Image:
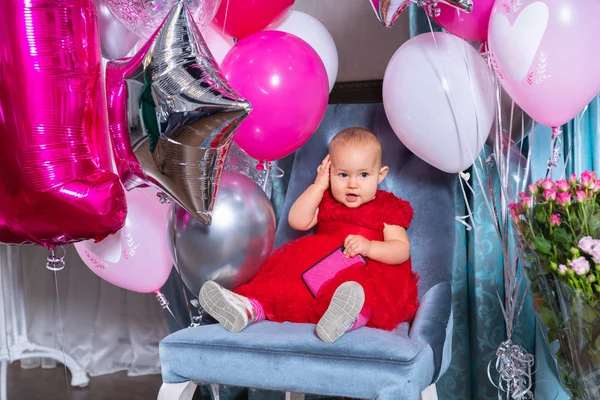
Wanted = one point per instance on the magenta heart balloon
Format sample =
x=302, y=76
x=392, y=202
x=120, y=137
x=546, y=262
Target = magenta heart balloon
x=544, y=52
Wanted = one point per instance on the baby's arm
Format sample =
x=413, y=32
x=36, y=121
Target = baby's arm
x=395, y=248
x=304, y=211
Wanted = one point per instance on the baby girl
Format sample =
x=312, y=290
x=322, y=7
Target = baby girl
x=348, y=210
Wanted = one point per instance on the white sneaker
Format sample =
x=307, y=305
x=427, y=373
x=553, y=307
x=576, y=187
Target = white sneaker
x=233, y=311
x=345, y=306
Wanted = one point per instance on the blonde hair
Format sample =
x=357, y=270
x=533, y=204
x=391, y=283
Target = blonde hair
x=357, y=135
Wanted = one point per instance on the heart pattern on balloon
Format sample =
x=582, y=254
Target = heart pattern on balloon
x=520, y=41
x=543, y=53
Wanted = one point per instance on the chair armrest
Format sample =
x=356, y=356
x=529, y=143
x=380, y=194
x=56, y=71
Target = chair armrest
x=433, y=325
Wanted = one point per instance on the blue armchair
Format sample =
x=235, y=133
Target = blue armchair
x=365, y=363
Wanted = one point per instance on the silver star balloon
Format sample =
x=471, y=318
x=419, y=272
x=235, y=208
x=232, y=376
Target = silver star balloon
x=172, y=115
x=388, y=11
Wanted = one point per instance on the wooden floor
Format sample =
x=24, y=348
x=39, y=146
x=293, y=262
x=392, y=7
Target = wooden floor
x=51, y=384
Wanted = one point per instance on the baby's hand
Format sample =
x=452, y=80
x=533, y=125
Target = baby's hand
x=322, y=180
x=356, y=244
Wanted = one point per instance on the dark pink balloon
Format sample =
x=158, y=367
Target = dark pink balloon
x=469, y=26
x=240, y=18
x=55, y=181
x=286, y=82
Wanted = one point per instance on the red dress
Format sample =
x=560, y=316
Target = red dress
x=390, y=290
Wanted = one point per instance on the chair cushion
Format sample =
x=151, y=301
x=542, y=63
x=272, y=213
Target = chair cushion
x=365, y=363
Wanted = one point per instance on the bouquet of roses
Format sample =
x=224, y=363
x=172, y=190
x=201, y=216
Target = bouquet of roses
x=558, y=225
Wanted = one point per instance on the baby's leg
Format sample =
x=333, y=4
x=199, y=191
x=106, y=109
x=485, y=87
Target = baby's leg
x=362, y=319
x=343, y=313
x=235, y=312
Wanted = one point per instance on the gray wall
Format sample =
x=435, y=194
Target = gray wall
x=364, y=45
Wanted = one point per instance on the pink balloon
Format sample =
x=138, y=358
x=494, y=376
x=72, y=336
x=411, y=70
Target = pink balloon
x=286, y=82
x=544, y=52
x=469, y=26
x=137, y=257
x=56, y=184
x=241, y=18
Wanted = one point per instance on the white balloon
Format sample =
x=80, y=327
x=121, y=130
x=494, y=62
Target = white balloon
x=218, y=43
x=313, y=32
x=438, y=95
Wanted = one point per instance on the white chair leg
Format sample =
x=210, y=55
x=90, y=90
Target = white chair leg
x=3, y=370
x=177, y=391
x=215, y=391
x=429, y=393
x=294, y=396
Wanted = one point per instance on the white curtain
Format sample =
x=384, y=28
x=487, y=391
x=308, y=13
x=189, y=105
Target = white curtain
x=105, y=328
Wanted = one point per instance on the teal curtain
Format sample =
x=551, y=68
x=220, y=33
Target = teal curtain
x=580, y=151
x=479, y=326
x=478, y=320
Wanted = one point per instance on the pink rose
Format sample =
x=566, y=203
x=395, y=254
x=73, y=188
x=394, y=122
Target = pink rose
x=562, y=269
x=588, y=174
x=562, y=185
x=580, y=265
x=533, y=189
x=564, y=198
x=586, y=244
x=516, y=209
x=581, y=195
x=555, y=219
x=527, y=202
x=545, y=183
x=573, y=179
x=588, y=178
x=550, y=194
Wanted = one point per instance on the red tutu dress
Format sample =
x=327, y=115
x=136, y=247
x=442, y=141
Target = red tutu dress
x=390, y=290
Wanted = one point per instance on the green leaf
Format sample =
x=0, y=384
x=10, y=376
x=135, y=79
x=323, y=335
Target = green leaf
x=543, y=245
x=597, y=342
x=552, y=335
x=548, y=318
x=589, y=314
x=541, y=217
x=595, y=360
x=563, y=237
x=595, y=225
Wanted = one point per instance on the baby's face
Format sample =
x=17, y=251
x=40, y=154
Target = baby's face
x=355, y=174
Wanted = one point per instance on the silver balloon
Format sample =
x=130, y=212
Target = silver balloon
x=463, y=5
x=116, y=40
x=234, y=247
x=172, y=115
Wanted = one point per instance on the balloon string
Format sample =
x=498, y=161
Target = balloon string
x=268, y=167
x=555, y=153
x=164, y=304
x=225, y=20
x=54, y=262
x=61, y=331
